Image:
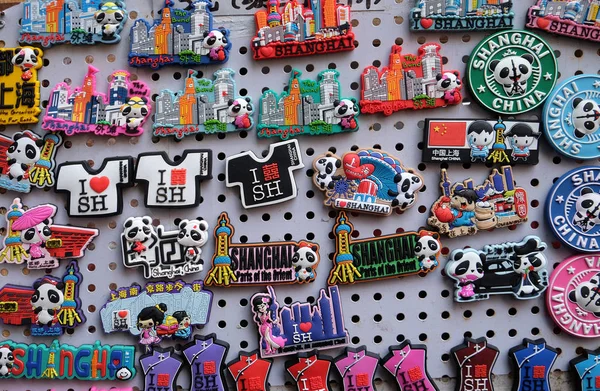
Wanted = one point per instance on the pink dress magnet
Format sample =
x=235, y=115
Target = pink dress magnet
x=357, y=368
x=408, y=364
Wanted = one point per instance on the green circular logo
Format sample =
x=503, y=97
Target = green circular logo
x=512, y=72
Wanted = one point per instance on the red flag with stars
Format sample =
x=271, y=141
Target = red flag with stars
x=447, y=134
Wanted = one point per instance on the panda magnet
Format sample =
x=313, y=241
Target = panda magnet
x=250, y=371
x=20, y=87
x=307, y=107
x=572, y=117
x=50, y=306
x=181, y=36
x=512, y=72
x=475, y=360
x=575, y=18
x=511, y=268
x=310, y=371
x=122, y=111
x=465, y=208
x=410, y=81
x=586, y=369
x=204, y=106
x=357, y=368
x=408, y=364
x=533, y=362
x=28, y=160
x=78, y=22
x=573, y=298
x=366, y=180
x=271, y=263
x=573, y=209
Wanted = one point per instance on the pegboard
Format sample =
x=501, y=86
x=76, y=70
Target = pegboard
x=376, y=314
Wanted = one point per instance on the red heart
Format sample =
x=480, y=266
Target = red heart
x=543, y=23
x=266, y=51
x=116, y=361
x=305, y=327
x=123, y=314
x=426, y=23
x=99, y=183
x=342, y=204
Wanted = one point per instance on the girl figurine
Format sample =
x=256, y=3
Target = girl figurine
x=265, y=309
x=184, y=328
x=147, y=321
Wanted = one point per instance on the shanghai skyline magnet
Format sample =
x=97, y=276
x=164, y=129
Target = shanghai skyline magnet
x=575, y=18
x=432, y=15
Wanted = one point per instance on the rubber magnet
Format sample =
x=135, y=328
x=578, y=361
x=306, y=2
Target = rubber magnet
x=20, y=92
x=576, y=19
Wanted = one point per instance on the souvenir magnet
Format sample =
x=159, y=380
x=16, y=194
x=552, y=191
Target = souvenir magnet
x=268, y=180
x=20, y=87
x=512, y=72
x=173, y=183
x=408, y=364
x=307, y=107
x=510, y=268
x=464, y=208
x=532, y=361
x=206, y=356
x=28, y=159
x=143, y=312
x=431, y=15
x=272, y=263
x=205, y=106
x=357, y=368
x=297, y=30
x=161, y=368
x=66, y=362
x=481, y=141
x=180, y=36
x=31, y=236
x=366, y=180
x=573, y=297
x=122, y=111
x=573, y=18
x=80, y=22
x=586, y=369
x=381, y=257
x=95, y=192
x=410, y=82
x=310, y=371
x=572, y=117
x=250, y=372
x=475, y=360
x=50, y=305
x=573, y=209
x=299, y=327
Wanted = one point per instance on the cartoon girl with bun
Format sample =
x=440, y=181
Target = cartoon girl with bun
x=265, y=309
x=184, y=328
x=147, y=321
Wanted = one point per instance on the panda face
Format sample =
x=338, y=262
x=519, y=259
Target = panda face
x=512, y=73
x=109, y=13
x=24, y=149
x=427, y=247
x=192, y=233
x=466, y=265
x=345, y=108
x=6, y=356
x=123, y=374
x=586, y=117
x=327, y=165
x=587, y=295
x=407, y=185
x=135, y=108
x=47, y=295
x=304, y=262
x=26, y=58
x=214, y=39
x=38, y=234
x=448, y=81
x=138, y=229
x=534, y=260
x=240, y=106
x=587, y=209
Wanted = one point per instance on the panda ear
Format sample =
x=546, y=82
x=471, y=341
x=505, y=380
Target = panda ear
x=248, y=99
x=353, y=100
x=11, y=348
x=205, y=34
x=586, y=190
x=128, y=223
x=177, y=221
x=456, y=73
x=438, y=77
x=47, y=221
x=435, y=235
x=482, y=257
x=223, y=31
x=146, y=220
x=336, y=103
x=528, y=57
x=494, y=64
x=457, y=256
x=576, y=102
x=296, y=248
x=572, y=296
x=17, y=136
x=39, y=142
x=60, y=285
x=36, y=52
x=230, y=102
x=37, y=284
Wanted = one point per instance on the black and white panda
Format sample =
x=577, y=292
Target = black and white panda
x=214, y=44
x=587, y=295
x=325, y=168
x=305, y=261
x=110, y=16
x=7, y=360
x=135, y=111
x=240, y=110
x=22, y=154
x=466, y=266
x=587, y=210
x=47, y=300
x=528, y=260
x=512, y=73
x=345, y=110
x=193, y=234
x=26, y=58
x=586, y=117
x=36, y=237
x=407, y=185
x=140, y=236
x=447, y=84
x=427, y=250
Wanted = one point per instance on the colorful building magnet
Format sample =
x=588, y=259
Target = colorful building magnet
x=299, y=327
x=250, y=371
x=66, y=362
x=366, y=180
x=410, y=82
x=268, y=180
x=204, y=106
x=28, y=160
x=161, y=368
x=307, y=107
x=297, y=30
x=357, y=368
x=586, y=369
x=50, y=305
x=310, y=371
x=573, y=209
x=464, y=208
x=20, y=87
x=81, y=22
x=475, y=360
x=381, y=257
x=272, y=263
x=206, y=356
x=95, y=192
x=431, y=15
x=143, y=312
x=408, y=364
x=574, y=18
x=180, y=36
x=173, y=183
x=573, y=298
x=123, y=111
x=572, y=117
x=512, y=72
x=532, y=361
x=481, y=141
x=511, y=268
x=32, y=237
